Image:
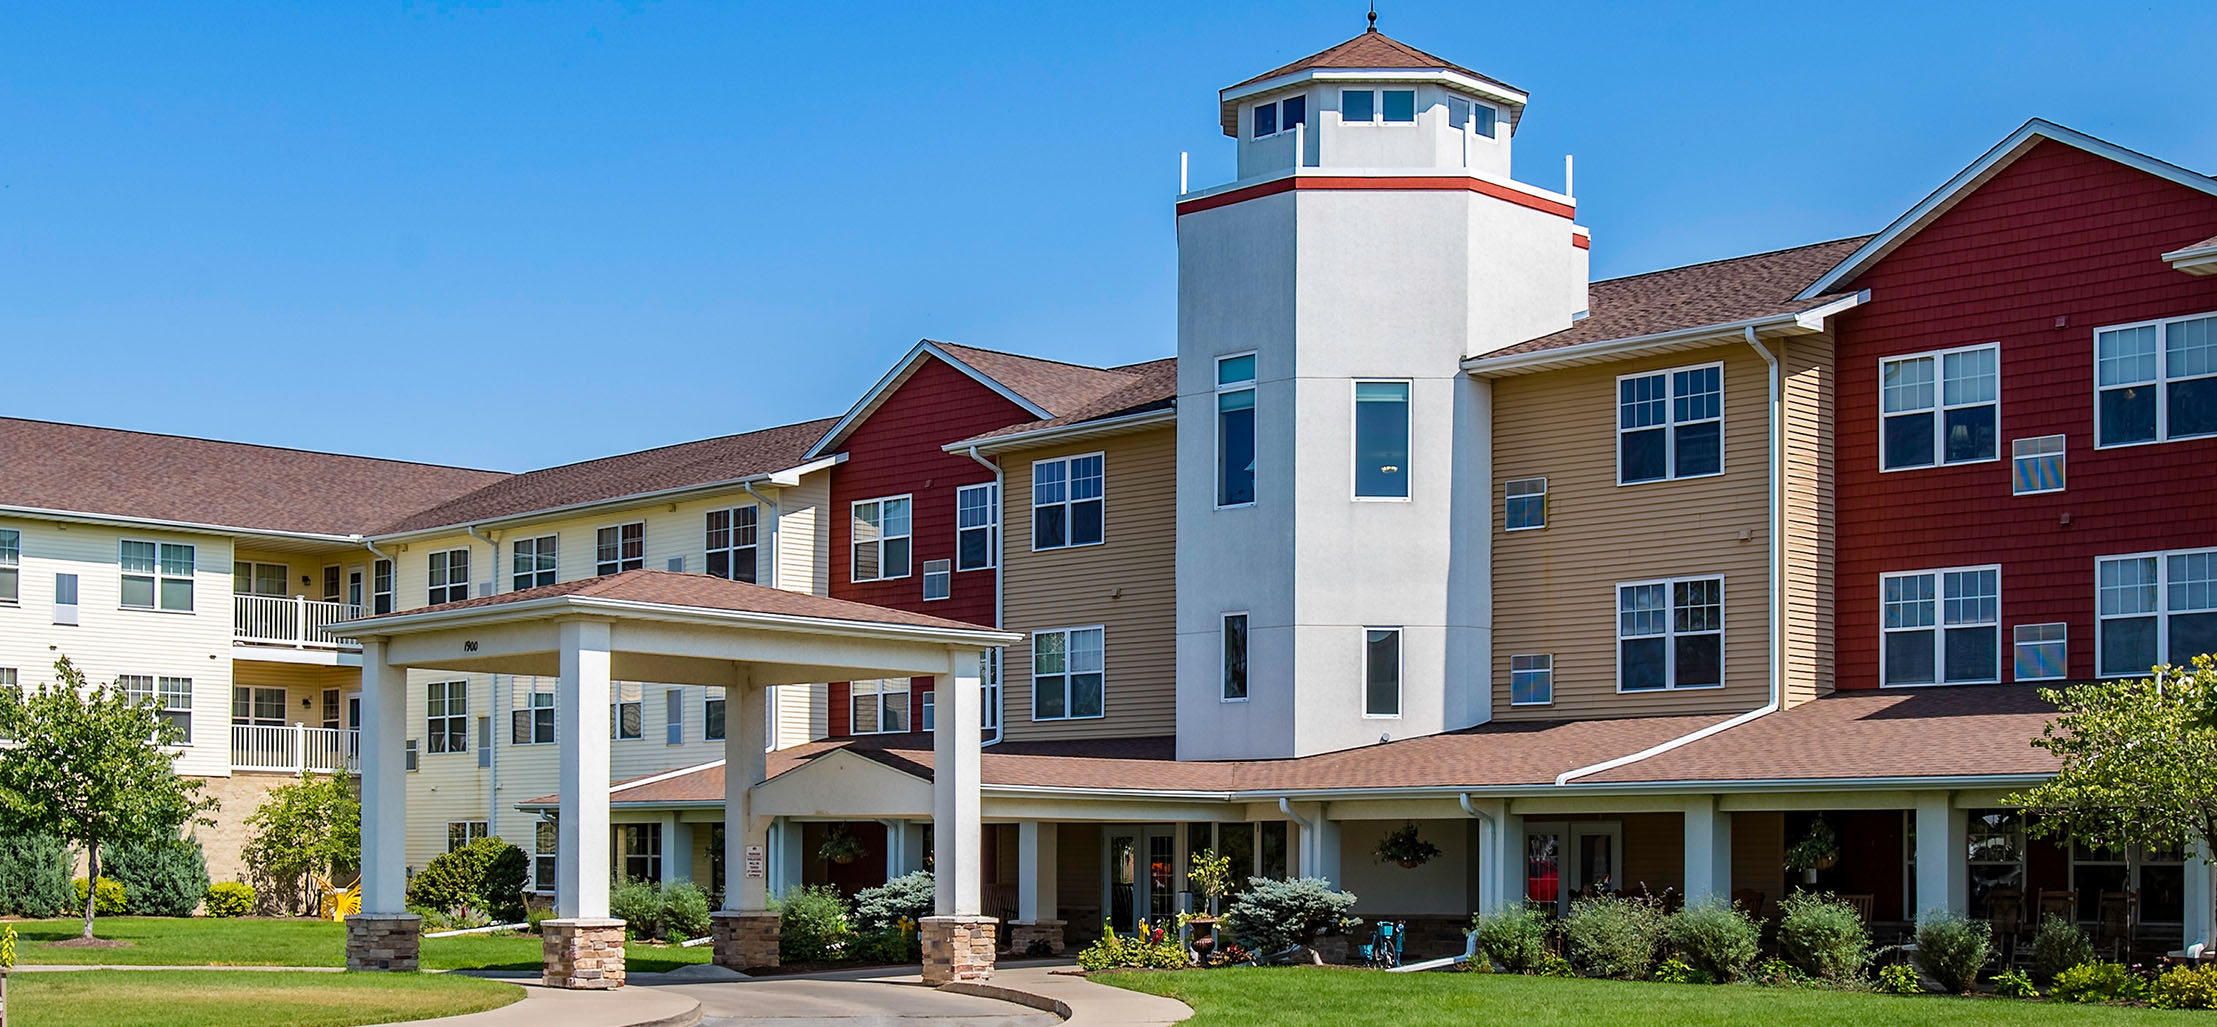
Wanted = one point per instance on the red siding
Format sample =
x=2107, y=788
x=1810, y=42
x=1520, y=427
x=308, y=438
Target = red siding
x=2058, y=244
x=895, y=451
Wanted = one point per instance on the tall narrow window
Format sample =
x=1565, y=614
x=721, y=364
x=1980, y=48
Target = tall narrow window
x=877, y=707
x=1235, y=430
x=732, y=543
x=619, y=548
x=545, y=836
x=1067, y=502
x=1670, y=634
x=534, y=562
x=447, y=719
x=626, y=709
x=2036, y=465
x=712, y=718
x=1942, y=627
x=938, y=575
x=1381, y=672
x=448, y=576
x=1381, y=440
x=1524, y=504
x=156, y=576
x=1067, y=681
x=9, y=683
x=11, y=564
x=881, y=539
x=2155, y=608
x=1235, y=657
x=2043, y=652
x=331, y=583
x=1670, y=424
x=381, y=587
x=1940, y=408
x=2155, y=382
x=1532, y=679
x=977, y=527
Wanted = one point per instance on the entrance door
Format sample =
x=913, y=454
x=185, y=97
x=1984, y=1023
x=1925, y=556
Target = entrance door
x=1596, y=859
x=354, y=587
x=1142, y=871
x=1566, y=862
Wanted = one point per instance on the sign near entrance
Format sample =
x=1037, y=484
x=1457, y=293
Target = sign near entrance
x=754, y=861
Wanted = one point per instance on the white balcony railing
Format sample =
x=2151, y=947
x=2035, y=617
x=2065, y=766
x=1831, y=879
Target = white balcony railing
x=295, y=621
x=298, y=749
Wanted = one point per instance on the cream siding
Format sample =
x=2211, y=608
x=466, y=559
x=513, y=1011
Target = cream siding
x=1810, y=534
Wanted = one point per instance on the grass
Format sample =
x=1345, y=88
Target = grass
x=246, y=941
x=1295, y=996
x=243, y=998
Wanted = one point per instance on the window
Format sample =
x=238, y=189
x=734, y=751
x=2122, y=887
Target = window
x=1670, y=634
x=977, y=527
x=1670, y=424
x=2042, y=651
x=257, y=579
x=1472, y=116
x=460, y=833
x=171, y=700
x=1532, y=679
x=732, y=551
x=9, y=683
x=330, y=709
x=638, y=851
x=626, y=715
x=1357, y=105
x=535, y=561
x=881, y=537
x=447, y=718
x=411, y=759
x=381, y=586
x=1381, y=440
x=156, y=576
x=2155, y=608
x=1067, y=681
x=449, y=577
x=1235, y=430
x=1996, y=855
x=11, y=564
x=2156, y=876
x=1269, y=119
x=259, y=707
x=877, y=707
x=1524, y=504
x=65, y=599
x=2155, y=382
x=1235, y=657
x=619, y=548
x=331, y=583
x=1367, y=105
x=1381, y=672
x=927, y=715
x=2036, y=465
x=936, y=578
x=532, y=721
x=989, y=682
x=712, y=718
x=673, y=716
x=1942, y=627
x=1066, y=502
x=1939, y=408
x=546, y=838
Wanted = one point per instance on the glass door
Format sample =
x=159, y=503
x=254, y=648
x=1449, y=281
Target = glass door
x=1162, y=876
x=1597, y=852
x=1543, y=866
x=1123, y=880
x=1142, y=867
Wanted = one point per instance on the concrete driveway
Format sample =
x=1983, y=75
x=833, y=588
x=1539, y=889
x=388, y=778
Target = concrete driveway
x=770, y=1002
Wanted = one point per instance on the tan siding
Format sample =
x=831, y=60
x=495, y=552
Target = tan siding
x=1809, y=518
x=1654, y=852
x=1555, y=588
x=1127, y=584
x=1078, y=880
x=1758, y=856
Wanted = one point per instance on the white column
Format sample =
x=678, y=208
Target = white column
x=1500, y=866
x=912, y=846
x=384, y=743
x=581, y=727
x=786, y=858
x=1036, y=897
x=745, y=765
x=1708, y=843
x=1943, y=870
x=2197, y=926
x=1318, y=844
x=677, y=849
x=956, y=823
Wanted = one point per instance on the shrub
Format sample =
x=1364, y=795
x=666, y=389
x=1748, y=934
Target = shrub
x=1898, y=979
x=487, y=875
x=1614, y=936
x=1715, y=939
x=1778, y=973
x=638, y=905
x=113, y=896
x=1272, y=916
x=533, y=917
x=164, y=876
x=684, y=912
x=2057, y=946
x=1557, y=966
x=1823, y=937
x=34, y=875
x=1677, y=971
x=2185, y=987
x=230, y=898
x=2099, y=982
x=887, y=946
x=812, y=924
x=908, y=897
x=2014, y=984
x=1514, y=936
x=432, y=919
x=1149, y=947
x=1950, y=949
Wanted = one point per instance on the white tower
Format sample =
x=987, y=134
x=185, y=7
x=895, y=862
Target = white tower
x=1326, y=299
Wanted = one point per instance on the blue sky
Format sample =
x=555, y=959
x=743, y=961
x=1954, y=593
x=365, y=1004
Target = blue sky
x=512, y=236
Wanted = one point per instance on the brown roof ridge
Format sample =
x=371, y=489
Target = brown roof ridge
x=826, y=422
x=1856, y=239
x=250, y=445
x=1370, y=42
x=1013, y=355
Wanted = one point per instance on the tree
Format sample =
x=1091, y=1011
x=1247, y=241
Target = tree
x=313, y=826
x=91, y=767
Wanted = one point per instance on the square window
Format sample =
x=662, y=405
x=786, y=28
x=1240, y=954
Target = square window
x=1266, y=119
x=619, y=548
x=1940, y=408
x=731, y=543
x=1067, y=674
x=1532, y=679
x=1067, y=503
x=2042, y=652
x=1524, y=504
x=2036, y=465
x=1941, y=627
x=1670, y=424
x=1400, y=105
x=1670, y=634
x=937, y=575
x=1357, y=105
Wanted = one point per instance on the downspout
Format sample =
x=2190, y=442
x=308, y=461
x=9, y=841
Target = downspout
x=1777, y=580
x=769, y=699
x=1000, y=503
x=493, y=703
x=1308, y=833
x=1487, y=824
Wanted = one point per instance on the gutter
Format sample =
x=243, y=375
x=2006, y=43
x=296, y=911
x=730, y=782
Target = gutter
x=125, y=520
x=1082, y=429
x=981, y=638
x=775, y=513
x=1000, y=503
x=1811, y=320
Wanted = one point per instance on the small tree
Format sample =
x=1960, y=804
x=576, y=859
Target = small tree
x=90, y=767
x=313, y=826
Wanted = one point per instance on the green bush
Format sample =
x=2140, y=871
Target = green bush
x=432, y=919
x=1778, y=973
x=1677, y=971
x=638, y=904
x=2014, y=984
x=230, y=898
x=113, y=896
x=1272, y=916
x=165, y=876
x=684, y=913
x=486, y=876
x=812, y=924
x=1513, y=936
x=907, y=897
x=34, y=875
x=2057, y=946
x=887, y=946
x=1613, y=936
x=2099, y=982
x=1557, y=966
x=1898, y=979
x=1823, y=937
x=536, y=915
x=2185, y=987
x=1951, y=949
x=1149, y=947
x=1715, y=939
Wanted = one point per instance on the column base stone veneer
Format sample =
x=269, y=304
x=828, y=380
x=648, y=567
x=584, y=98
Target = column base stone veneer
x=583, y=953
x=383, y=941
x=745, y=939
x=958, y=948
x=1026, y=935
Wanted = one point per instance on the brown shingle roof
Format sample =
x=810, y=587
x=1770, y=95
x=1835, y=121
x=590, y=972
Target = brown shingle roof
x=1153, y=386
x=84, y=469
x=701, y=592
x=1372, y=49
x=1052, y=385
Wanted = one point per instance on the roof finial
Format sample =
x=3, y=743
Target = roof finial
x=1373, y=17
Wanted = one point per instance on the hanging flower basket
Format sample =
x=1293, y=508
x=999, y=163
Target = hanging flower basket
x=1817, y=850
x=840, y=847
x=1405, y=848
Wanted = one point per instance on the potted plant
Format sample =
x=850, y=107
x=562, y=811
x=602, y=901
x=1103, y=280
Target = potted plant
x=1403, y=846
x=1210, y=875
x=841, y=847
x=1817, y=850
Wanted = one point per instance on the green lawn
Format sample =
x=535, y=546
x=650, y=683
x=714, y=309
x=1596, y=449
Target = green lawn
x=1293, y=996
x=243, y=998
x=200, y=941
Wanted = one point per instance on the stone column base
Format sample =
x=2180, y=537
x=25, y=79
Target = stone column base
x=584, y=952
x=744, y=939
x=1023, y=935
x=958, y=948
x=383, y=941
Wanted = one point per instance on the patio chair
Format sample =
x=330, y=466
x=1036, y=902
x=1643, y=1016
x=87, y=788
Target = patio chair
x=2115, y=923
x=1862, y=904
x=2005, y=910
x=2062, y=903
x=1750, y=900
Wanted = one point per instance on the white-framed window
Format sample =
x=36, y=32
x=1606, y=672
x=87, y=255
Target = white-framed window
x=249, y=578
x=938, y=578
x=1532, y=679
x=619, y=548
x=1941, y=407
x=626, y=709
x=1067, y=501
x=411, y=759
x=1473, y=116
x=1274, y=116
x=447, y=576
x=9, y=682
x=1941, y=627
x=11, y=565
x=1670, y=424
x=880, y=544
x=1235, y=430
x=977, y=527
x=1377, y=106
x=460, y=833
x=2155, y=608
x=65, y=599
x=989, y=682
x=257, y=707
x=331, y=582
x=2042, y=651
x=545, y=838
x=2155, y=381
x=637, y=850
x=156, y=576
x=877, y=707
x=2036, y=465
x=927, y=710
x=1068, y=680
x=673, y=716
x=732, y=543
x=532, y=721
x=1524, y=504
x=535, y=560
x=2155, y=877
x=1670, y=634
x=1235, y=657
x=170, y=698
x=381, y=586
x=1381, y=440
x=1381, y=672
x=712, y=718
x=447, y=716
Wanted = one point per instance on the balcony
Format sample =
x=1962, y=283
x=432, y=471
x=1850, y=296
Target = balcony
x=298, y=749
x=291, y=622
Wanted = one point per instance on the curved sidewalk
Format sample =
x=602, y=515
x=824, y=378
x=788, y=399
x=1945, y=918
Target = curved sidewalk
x=1080, y=1002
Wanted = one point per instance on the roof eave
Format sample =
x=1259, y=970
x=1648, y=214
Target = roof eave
x=784, y=478
x=892, y=380
x=1796, y=323
x=2194, y=260
x=166, y=524
x=535, y=609
x=1228, y=99
x=1112, y=425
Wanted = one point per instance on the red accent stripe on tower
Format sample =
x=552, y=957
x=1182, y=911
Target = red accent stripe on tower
x=1583, y=242
x=1435, y=183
